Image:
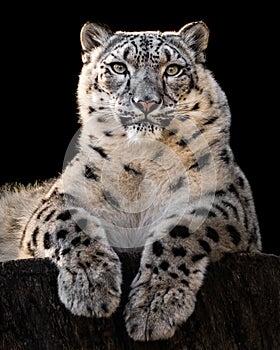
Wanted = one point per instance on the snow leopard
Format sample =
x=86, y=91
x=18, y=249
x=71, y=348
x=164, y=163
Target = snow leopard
x=154, y=171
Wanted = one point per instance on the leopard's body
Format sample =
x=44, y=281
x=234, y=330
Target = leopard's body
x=154, y=170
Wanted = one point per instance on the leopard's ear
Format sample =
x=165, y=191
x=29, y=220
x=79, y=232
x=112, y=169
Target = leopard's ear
x=196, y=35
x=94, y=35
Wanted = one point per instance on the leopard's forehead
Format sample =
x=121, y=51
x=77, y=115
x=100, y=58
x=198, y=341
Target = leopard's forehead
x=141, y=47
x=144, y=40
x=143, y=37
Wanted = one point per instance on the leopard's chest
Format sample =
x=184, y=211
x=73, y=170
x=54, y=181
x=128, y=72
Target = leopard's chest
x=136, y=189
x=129, y=196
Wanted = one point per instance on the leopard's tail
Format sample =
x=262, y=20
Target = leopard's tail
x=17, y=203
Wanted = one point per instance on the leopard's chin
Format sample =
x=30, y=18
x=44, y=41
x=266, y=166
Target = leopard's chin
x=143, y=130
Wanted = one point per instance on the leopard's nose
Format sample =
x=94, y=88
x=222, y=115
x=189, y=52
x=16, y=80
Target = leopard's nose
x=146, y=106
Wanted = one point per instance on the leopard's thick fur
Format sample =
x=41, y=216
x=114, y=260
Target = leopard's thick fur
x=154, y=170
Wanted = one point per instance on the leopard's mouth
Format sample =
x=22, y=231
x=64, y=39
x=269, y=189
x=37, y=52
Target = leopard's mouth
x=144, y=129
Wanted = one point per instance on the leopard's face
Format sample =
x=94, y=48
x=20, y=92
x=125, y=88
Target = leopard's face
x=145, y=80
x=141, y=80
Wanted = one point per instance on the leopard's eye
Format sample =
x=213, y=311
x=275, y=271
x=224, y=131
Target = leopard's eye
x=119, y=68
x=173, y=70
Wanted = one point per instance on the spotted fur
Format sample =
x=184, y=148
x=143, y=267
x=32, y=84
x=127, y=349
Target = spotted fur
x=154, y=169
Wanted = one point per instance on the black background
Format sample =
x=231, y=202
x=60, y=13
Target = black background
x=40, y=64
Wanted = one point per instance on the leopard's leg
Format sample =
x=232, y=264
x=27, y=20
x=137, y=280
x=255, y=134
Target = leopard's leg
x=172, y=269
x=89, y=280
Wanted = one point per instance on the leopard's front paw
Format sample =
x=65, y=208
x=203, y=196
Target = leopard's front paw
x=89, y=290
x=155, y=314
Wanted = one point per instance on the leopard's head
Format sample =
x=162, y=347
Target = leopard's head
x=138, y=82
